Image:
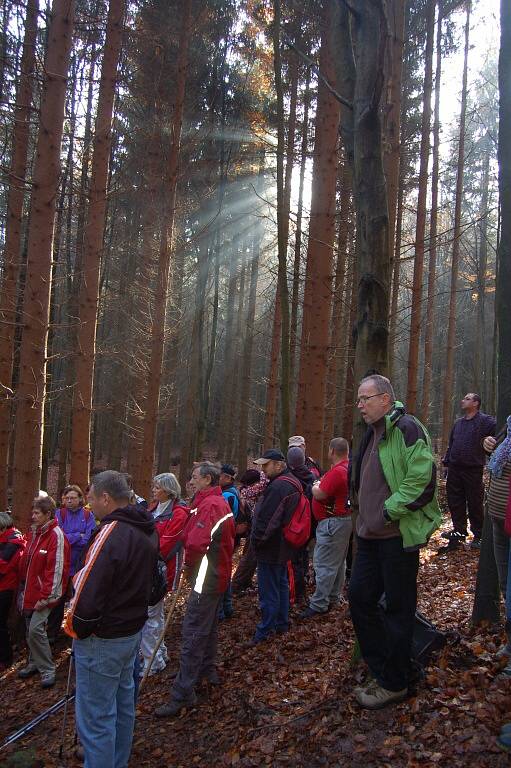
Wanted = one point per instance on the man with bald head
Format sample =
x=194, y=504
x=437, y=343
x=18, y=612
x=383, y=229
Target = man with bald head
x=333, y=515
x=465, y=459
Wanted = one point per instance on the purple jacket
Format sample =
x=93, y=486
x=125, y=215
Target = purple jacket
x=78, y=527
x=466, y=441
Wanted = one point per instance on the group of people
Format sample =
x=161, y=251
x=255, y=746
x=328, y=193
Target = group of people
x=116, y=625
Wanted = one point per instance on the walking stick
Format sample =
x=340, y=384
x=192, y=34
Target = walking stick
x=164, y=630
x=62, y=733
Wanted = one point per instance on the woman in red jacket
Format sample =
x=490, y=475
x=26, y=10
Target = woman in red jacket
x=44, y=575
x=170, y=516
x=12, y=545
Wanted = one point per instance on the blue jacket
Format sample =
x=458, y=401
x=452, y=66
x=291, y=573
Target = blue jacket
x=78, y=527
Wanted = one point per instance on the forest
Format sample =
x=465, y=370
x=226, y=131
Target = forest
x=217, y=216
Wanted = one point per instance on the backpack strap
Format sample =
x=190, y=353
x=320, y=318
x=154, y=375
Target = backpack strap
x=294, y=482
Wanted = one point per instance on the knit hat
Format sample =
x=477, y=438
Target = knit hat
x=295, y=457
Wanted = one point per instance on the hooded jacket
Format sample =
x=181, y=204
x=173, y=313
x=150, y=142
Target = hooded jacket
x=170, y=527
x=44, y=566
x=12, y=544
x=209, y=542
x=112, y=590
x=272, y=513
x=407, y=462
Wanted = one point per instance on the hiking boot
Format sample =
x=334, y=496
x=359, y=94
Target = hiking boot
x=376, y=697
x=475, y=543
x=212, y=678
x=27, y=671
x=47, y=679
x=309, y=613
x=455, y=541
x=504, y=740
x=366, y=686
x=175, y=706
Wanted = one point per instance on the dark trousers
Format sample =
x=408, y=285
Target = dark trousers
x=385, y=637
x=465, y=490
x=273, y=587
x=5, y=640
x=198, y=646
x=300, y=563
x=244, y=573
x=55, y=619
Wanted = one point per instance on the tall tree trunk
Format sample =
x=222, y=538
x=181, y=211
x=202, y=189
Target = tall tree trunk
x=448, y=392
x=480, y=356
x=293, y=342
x=248, y=345
x=340, y=299
x=282, y=228
x=12, y=250
x=31, y=387
x=349, y=387
x=396, y=274
x=317, y=301
x=92, y=250
x=392, y=113
x=167, y=227
x=503, y=285
x=273, y=373
x=360, y=43
x=433, y=228
x=420, y=229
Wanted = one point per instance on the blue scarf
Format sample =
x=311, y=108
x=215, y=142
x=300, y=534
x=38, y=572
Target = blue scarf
x=502, y=454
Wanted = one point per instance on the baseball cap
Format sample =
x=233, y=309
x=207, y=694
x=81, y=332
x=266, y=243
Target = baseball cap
x=297, y=441
x=271, y=455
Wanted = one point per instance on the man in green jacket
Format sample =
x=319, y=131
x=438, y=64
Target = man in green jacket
x=394, y=475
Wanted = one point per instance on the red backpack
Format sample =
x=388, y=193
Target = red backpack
x=297, y=532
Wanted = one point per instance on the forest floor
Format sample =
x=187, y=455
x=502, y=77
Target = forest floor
x=289, y=702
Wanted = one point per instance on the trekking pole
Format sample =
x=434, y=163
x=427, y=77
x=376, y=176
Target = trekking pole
x=164, y=630
x=66, y=702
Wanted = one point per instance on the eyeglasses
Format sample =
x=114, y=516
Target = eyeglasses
x=365, y=398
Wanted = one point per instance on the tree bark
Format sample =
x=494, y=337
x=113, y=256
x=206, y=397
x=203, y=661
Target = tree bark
x=433, y=229
x=392, y=113
x=282, y=228
x=92, y=250
x=12, y=250
x=420, y=229
x=340, y=300
x=503, y=284
x=448, y=392
x=31, y=387
x=167, y=228
x=360, y=48
x=480, y=356
x=317, y=301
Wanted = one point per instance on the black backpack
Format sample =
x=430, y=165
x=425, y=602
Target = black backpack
x=159, y=586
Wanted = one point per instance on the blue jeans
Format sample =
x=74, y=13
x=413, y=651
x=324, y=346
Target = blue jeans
x=273, y=587
x=105, y=702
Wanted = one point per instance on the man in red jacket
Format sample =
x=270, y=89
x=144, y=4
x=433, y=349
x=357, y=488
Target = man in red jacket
x=209, y=543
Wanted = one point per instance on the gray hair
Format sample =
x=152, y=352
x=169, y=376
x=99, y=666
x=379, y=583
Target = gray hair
x=6, y=521
x=168, y=483
x=382, y=384
x=208, y=468
x=111, y=482
x=340, y=446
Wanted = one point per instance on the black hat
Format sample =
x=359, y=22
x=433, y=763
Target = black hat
x=228, y=469
x=271, y=455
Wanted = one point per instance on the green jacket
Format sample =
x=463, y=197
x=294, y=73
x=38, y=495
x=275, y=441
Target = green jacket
x=410, y=471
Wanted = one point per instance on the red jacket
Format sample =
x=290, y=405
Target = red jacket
x=170, y=527
x=209, y=542
x=44, y=566
x=12, y=544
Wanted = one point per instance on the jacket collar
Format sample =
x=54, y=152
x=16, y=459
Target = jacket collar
x=213, y=490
